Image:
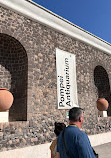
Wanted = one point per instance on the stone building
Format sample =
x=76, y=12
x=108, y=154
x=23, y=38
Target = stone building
x=29, y=38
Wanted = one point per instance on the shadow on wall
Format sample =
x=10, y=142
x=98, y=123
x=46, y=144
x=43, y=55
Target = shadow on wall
x=101, y=80
x=14, y=74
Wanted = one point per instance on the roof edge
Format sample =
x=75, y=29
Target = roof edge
x=40, y=14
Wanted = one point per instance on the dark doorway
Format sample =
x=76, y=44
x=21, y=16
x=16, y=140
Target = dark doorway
x=13, y=75
x=101, y=80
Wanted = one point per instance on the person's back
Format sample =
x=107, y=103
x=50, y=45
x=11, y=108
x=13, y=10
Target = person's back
x=58, y=128
x=75, y=140
x=77, y=144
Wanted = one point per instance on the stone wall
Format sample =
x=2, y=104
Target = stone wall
x=34, y=45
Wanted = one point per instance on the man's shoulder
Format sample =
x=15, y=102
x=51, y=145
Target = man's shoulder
x=74, y=130
x=82, y=134
x=78, y=133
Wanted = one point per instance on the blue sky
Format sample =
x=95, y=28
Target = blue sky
x=91, y=15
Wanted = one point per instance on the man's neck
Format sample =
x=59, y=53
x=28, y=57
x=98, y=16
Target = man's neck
x=75, y=124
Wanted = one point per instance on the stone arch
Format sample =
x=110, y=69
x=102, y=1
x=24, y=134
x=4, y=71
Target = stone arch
x=102, y=83
x=14, y=75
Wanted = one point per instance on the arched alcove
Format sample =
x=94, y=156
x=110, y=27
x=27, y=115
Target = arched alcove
x=101, y=80
x=13, y=75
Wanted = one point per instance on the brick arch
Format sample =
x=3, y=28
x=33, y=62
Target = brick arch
x=16, y=35
x=13, y=75
x=102, y=83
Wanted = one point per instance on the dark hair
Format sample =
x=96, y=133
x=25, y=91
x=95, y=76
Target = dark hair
x=75, y=113
x=59, y=127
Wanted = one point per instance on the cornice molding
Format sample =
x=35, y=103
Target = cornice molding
x=38, y=13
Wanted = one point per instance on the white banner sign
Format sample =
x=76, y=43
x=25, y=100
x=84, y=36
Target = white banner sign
x=66, y=80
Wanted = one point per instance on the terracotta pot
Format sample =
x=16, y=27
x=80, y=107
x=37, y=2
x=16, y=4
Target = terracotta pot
x=6, y=99
x=102, y=104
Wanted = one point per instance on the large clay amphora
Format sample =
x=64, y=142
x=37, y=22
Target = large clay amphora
x=102, y=104
x=6, y=99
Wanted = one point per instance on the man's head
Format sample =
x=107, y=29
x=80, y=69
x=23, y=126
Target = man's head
x=76, y=116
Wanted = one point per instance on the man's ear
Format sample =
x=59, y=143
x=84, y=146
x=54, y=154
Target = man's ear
x=80, y=119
